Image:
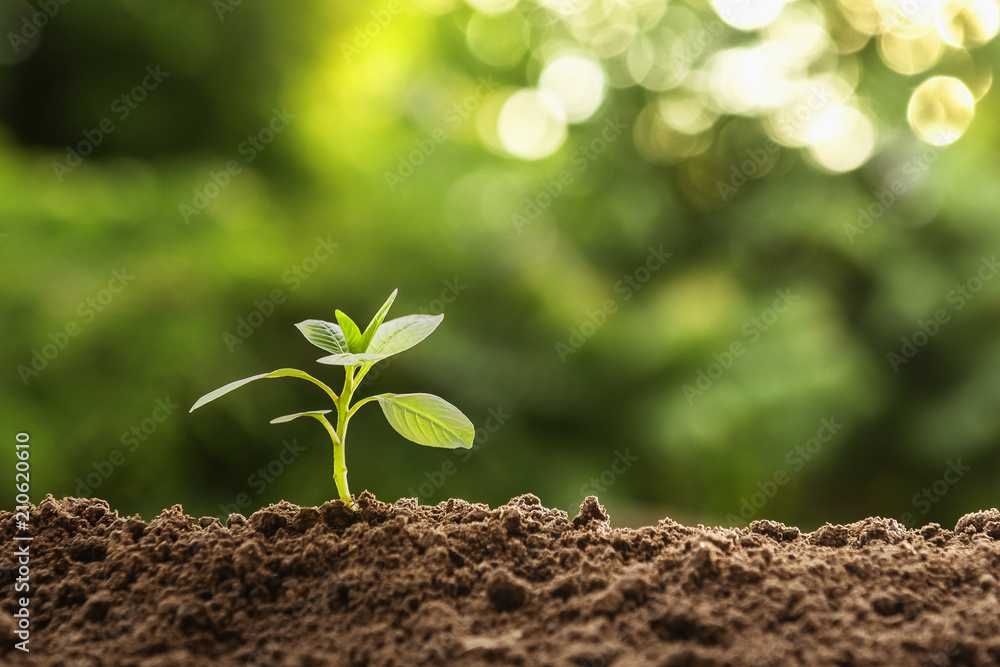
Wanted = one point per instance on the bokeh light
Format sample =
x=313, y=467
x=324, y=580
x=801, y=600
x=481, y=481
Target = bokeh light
x=686, y=113
x=532, y=124
x=974, y=22
x=940, y=110
x=499, y=40
x=435, y=6
x=705, y=67
x=908, y=16
x=658, y=140
x=578, y=82
x=975, y=74
x=862, y=15
x=748, y=80
x=493, y=6
x=799, y=122
x=910, y=55
x=843, y=138
x=745, y=15
x=801, y=30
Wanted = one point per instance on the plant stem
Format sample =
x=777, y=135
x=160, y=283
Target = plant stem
x=357, y=406
x=339, y=460
x=339, y=466
x=340, y=474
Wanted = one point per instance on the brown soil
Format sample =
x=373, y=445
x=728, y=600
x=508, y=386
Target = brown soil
x=461, y=584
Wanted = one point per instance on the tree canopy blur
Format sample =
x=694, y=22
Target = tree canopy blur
x=718, y=261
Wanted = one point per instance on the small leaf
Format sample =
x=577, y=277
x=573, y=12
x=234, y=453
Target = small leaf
x=318, y=415
x=376, y=322
x=351, y=332
x=393, y=337
x=427, y=420
x=324, y=335
x=284, y=372
x=402, y=333
x=310, y=413
x=351, y=359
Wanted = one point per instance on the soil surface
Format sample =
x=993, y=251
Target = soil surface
x=463, y=584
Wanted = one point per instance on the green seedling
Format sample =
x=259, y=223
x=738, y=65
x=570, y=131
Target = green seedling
x=422, y=418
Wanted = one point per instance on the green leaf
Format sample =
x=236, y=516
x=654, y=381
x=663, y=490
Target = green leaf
x=427, y=420
x=311, y=413
x=402, y=333
x=351, y=359
x=283, y=372
x=376, y=322
x=324, y=335
x=318, y=415
x=393, y=337
x=351, y=332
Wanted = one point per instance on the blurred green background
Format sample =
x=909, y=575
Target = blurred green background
x=167, y=170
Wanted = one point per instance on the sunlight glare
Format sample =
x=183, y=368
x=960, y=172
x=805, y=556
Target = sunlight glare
x=940, y=110
x=579, y=84
x=532, y=124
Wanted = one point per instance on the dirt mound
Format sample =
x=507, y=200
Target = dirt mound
x=463, y=584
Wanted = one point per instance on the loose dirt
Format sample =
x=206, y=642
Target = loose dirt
x=463, y=584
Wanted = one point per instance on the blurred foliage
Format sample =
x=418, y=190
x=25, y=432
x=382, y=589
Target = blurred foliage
x=388, y=130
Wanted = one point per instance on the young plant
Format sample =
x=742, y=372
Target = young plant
x=422, y=418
